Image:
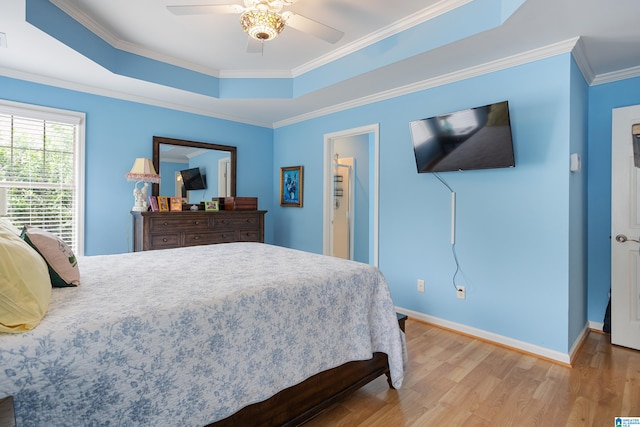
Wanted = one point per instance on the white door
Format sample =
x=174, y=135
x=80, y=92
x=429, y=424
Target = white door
x=625, y=231
x=342, y=222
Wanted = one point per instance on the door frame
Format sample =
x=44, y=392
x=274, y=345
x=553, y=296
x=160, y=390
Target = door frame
x=327, y=192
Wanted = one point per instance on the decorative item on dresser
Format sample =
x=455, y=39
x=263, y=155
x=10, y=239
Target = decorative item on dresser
x=143, y=172
x=163, y=230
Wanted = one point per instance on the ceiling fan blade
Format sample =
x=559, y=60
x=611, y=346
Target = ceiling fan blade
x=254, y=46
x=308, y=25
x=205, y=9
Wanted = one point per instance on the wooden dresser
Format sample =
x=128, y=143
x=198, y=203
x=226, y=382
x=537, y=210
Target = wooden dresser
x=163, y=230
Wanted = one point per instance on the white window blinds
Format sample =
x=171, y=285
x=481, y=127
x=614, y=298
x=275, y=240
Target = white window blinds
x=39, y=170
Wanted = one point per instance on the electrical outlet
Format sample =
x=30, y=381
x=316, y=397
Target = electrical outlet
x=461, y=292
x=420, y=285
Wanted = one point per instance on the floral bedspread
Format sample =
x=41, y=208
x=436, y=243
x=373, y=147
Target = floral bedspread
x=189, y=336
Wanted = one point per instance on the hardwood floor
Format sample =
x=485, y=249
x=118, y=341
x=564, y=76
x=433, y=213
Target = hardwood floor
x=455, y=380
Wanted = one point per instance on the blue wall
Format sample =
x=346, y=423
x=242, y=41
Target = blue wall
x=602, y=99
x=578, y=206
x=119, y=131
x=520, y=233
x=512, y=224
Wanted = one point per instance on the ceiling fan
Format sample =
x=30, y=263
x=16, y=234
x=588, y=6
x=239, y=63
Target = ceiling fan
x=263, y=20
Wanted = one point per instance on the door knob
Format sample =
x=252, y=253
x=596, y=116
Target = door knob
x=622, y=238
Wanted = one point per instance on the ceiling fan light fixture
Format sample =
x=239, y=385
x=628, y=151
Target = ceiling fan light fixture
x=262, y=25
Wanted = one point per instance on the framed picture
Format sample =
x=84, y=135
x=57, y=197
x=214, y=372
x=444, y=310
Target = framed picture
x=291, y=186
x=211, y=206
x=176, y=203
x=153, y=203
x=163, y=203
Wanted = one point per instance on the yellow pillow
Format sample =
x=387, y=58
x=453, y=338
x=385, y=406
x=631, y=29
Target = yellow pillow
x=25, y=286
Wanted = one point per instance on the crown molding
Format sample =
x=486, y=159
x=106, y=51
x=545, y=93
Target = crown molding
x=417, y=18
x=615, y=76
x=573, y=45
x=399, y=26
x=252, y=74
x=580, y=56
x=486, y=68
x=85, y=20
x=92, y=25
x=109, y=93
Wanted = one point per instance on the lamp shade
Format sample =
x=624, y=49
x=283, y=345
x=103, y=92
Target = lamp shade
x=143, y=170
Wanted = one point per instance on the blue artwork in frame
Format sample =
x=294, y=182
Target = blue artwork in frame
x=291, y=186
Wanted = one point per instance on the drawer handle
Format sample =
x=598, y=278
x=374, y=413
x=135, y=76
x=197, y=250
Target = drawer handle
x=196, y=238
x=248, y=219
x=164, y=239
x=165, y=223
x=196, y=222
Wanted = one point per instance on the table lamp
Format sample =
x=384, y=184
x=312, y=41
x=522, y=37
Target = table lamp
x=142, y=172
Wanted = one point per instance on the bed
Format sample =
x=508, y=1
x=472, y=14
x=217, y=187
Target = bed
x=204, y=335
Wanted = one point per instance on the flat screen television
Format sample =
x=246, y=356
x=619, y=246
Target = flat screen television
x=193, y=179
x=475, y=138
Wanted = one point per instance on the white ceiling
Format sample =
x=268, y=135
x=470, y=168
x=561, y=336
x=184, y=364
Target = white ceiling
x=609, y=48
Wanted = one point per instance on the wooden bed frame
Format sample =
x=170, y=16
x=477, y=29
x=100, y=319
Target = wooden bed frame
x=299, y=403
x=292, y=406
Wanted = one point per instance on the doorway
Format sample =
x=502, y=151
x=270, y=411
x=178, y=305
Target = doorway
x=342, y=221
x=363, y=222
x=625, y=227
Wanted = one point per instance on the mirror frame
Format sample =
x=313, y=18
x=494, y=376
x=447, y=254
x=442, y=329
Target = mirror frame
x=233, y=151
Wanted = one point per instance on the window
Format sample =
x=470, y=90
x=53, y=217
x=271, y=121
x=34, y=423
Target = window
x=42, y=169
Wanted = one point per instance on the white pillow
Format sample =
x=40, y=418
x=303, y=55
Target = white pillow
x=63, y=266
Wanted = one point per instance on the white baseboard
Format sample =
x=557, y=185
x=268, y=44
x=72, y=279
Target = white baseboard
x=596, y=326
x=564, y=358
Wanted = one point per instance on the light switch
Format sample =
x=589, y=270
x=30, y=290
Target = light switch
x=575, y=162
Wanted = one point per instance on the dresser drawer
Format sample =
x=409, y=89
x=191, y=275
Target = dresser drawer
x=239, y=222
x=193, y=239
x=164, y=230
x=178, y=223
x=249, y=235
x=164, y=241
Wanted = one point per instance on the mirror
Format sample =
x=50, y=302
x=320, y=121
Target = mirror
x=216, y=163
